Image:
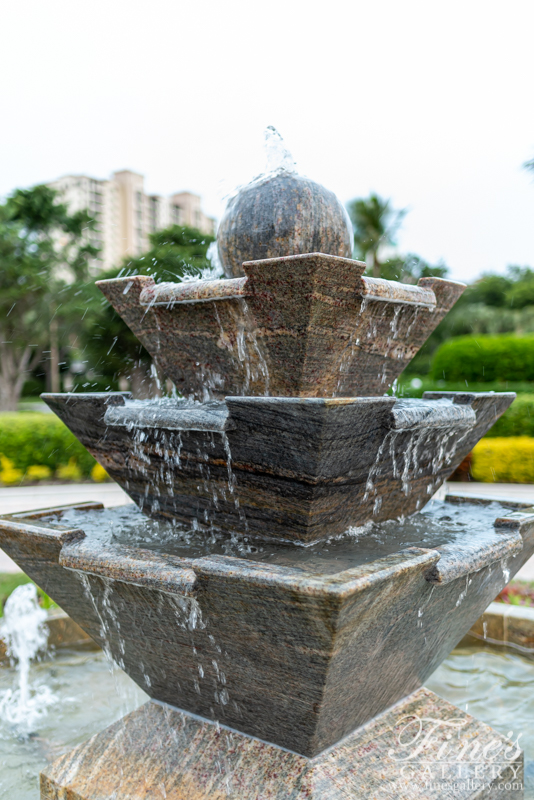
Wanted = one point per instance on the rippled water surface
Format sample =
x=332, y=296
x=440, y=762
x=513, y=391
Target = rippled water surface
x=496, y=686
x=88, y=697
x=438, y=524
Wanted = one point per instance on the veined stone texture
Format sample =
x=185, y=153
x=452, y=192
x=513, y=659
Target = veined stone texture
x=300, y=326
x=284, y=468
x=279, y=214
x=297, y=658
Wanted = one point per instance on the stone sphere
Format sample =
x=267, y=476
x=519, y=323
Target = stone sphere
x=283, y=214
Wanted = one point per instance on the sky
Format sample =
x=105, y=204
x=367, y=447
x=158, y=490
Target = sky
x=426, y=103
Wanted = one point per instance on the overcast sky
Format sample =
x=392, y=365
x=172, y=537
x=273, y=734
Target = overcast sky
x=429, y=103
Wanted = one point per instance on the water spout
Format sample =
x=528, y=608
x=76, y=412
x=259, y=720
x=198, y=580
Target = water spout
x=25, y=634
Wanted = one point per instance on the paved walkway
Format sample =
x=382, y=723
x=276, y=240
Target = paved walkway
x=27, y=498
x=521, y=492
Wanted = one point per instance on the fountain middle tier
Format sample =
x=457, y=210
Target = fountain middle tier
x=280, y=468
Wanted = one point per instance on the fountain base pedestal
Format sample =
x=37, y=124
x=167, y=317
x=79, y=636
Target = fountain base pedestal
x=421, y=747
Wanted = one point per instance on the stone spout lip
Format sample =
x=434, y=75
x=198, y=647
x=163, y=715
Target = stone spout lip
x=292, y=657
x=299, y=469
x=132, y=565
x=298, y=326
x=198, y=291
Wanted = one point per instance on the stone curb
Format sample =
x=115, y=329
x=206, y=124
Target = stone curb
x=506, y=625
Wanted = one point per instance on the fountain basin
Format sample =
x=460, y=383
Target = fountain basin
x=494, y=681
x=281, y=468
x=292, y=655
x=88, y=695
x=299, y=326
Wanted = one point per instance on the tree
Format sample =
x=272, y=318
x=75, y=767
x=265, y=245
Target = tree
x=375, y=225
x=514, y=290
x=43, y=255
x=521, y=291
x=489, y=290
x=108, y=345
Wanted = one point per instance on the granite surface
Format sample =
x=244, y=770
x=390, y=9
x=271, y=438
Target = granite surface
x=296, y=658
x=279, y=214
x=290, y=468
x=299, y=326
x=160, y=752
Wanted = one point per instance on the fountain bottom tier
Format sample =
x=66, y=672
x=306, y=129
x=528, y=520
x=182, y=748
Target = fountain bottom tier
x=294, y=646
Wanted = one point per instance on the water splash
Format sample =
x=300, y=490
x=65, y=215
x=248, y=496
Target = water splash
x=277, y=159
x=215, y=270
x=277, y=155
x=25, y=634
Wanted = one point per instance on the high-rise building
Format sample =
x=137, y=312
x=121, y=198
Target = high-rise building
x=125, y=215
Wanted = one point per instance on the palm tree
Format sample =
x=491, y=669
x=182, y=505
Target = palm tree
x=375, y=225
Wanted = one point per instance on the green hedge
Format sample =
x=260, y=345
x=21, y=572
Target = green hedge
x=404, y=387
x=518, y=420
x=485, y=359
x=33, y=438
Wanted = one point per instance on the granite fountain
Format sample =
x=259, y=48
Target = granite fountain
x=282, y=587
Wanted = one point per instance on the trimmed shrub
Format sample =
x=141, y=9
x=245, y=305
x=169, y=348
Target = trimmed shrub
x=485, y=359
x=504, y=460
x=34, y=439
x=9, y=474
x=518, y=420
x=70, y=471
x=99, y=474
x=38, y=473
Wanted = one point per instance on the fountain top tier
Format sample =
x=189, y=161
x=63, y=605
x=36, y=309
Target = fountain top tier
x=309, y=325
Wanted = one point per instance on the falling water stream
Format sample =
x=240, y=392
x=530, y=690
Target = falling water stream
x=494, y=684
